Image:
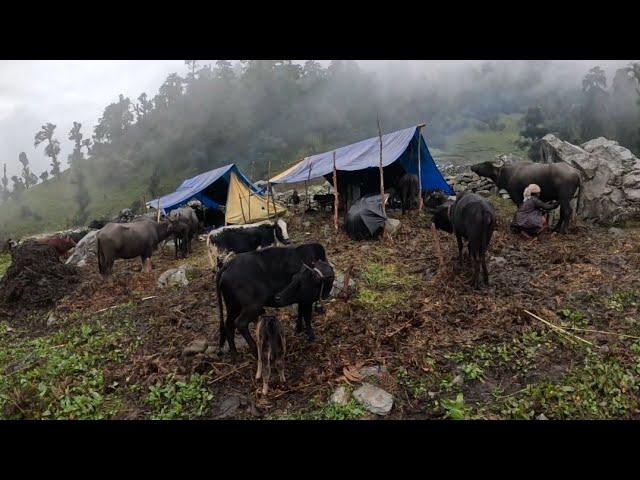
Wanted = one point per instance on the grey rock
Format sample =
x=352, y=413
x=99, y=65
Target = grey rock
x=340, y=396
x=84, y=249
x=391, y=225
x=541, y=417
x=228, y=406
x=458, y=380
x=51, y=320
x=610, y=177
x=173, y=276
x=616, y=231
x=484, y=193
x=211, y=351
x=197, y=346
x=338, y=285
x=373, y=371
x=374, y=399
x=306, y=224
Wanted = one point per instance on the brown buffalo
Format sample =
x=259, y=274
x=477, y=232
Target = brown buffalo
x=62, y=244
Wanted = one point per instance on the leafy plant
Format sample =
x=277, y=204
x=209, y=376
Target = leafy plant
x=173, y=398
x=456, y=409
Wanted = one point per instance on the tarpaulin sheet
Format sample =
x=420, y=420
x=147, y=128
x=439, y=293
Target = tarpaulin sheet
x=195, y=188
x=366, y=154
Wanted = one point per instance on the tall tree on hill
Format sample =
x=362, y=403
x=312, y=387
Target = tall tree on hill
x=143, y=107
x=76, y=161
x=5, y=183
x=192, y=65
x=596, y=119
x=18, y=187
x=224, y=71
x=154, y=181
x=169, y=91
x=44, y=176
x=76, y=137
x=53, y=146
x=624, y=107
x=115, y=121
x=28, y=177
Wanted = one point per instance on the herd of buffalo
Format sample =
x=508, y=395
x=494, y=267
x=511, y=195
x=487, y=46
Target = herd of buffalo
x=256, y=267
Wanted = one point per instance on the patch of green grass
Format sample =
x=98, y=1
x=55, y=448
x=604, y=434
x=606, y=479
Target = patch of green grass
x=574, y=317
x=172, y=399
x=599, y=388
x=456, y=409
x=382, y=287
x=621, y=301
x=60, y=376
x=472, y=371
x=5, y=261
x=417, y=387
x=331, y=411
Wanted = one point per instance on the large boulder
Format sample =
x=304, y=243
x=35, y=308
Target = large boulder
x=610, y=177
x=84, y=249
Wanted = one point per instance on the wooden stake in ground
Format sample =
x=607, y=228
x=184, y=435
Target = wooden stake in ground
x=273, y=199
x=306, y=188
x=335, y=192
x=419, y=167
x=268, y=178
x=158, y=217
x=381, y=171
x=436, y=240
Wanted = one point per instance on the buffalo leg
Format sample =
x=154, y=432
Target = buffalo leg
x=242, y=323
x=476, y=272
x=175, y=244
x=299, y=321
x=565, y=215
x=280, y=365
x=266, y=374
x=485, y=272
x=260, y=359
x=459, y=239
x=307, y=313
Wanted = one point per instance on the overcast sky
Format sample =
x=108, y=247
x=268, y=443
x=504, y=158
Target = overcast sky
x=34, y=92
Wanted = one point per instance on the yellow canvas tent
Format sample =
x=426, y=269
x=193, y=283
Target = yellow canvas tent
x=245, y=206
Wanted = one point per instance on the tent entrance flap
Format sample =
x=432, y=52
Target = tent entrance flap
x=245, y=206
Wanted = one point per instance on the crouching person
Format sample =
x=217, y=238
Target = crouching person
x=271, y=348
x=532, y=217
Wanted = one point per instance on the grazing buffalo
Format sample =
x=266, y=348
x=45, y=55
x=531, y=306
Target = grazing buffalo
x=250, y=281
x=271, y=348
x=557, y=181
x=407, y=188
x=185, y=226
x=470, y=217
x=245, y=238
x=129, y=240
x=62, y=244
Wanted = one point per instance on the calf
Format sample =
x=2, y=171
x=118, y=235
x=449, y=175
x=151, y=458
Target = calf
x=61, y=244
x=470, y=217
x=226, y=240
x=407, y=187
x=325, y=200
x=249, y=282
x=181, y=233
x=271, y=347
x=313, y=282
x=187, y=221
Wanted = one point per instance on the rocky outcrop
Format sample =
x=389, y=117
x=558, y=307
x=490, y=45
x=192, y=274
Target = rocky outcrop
x=610, y=177
x=84, y=249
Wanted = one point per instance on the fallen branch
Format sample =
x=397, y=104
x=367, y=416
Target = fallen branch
x=225, y=375
x=603, y=332
x=558, y=329
x=399, y=329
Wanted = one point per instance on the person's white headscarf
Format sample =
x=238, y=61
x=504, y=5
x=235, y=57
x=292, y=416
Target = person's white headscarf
x=533, y=188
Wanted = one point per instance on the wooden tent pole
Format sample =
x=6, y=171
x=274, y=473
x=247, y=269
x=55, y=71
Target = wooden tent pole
x=306, y=188
x=158, y=217
x=244, y=219
x=268, y=178
x=381, y=169
x=419, y=168
x=335, y=192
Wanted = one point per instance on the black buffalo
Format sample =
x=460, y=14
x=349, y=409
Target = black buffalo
x=250, y=281
x=185, y=226
x=470, y=217
x=241, y=239
x=129, y=240
x=407, y=189
x=325, y=200
x=557, y=181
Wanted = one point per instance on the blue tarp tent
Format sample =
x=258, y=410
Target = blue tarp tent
x=398, y=149
x=210, y=188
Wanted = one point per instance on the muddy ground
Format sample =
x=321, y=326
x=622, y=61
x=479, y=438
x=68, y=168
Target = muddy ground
x=115, y=349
